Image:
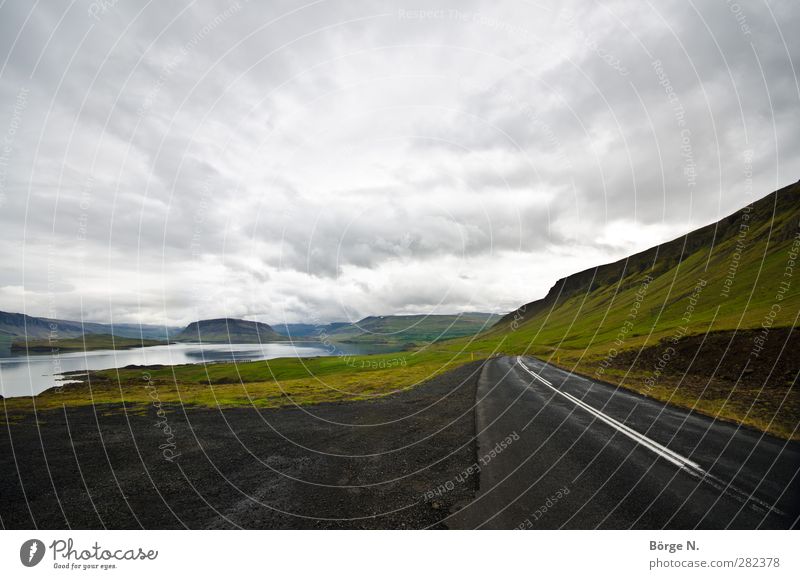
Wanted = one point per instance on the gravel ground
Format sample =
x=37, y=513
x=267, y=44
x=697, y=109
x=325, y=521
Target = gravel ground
x=375, y=464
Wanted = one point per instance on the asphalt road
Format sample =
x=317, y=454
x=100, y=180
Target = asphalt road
x=556, y=450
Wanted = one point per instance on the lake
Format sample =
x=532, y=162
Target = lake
x=23, y=375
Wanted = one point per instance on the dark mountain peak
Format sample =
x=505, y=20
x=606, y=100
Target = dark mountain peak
x=229, y=330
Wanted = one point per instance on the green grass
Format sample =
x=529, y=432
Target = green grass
x=263, y=384
x=585, y=324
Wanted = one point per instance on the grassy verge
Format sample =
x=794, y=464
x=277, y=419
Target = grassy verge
x=765, y=409
x=263, y=384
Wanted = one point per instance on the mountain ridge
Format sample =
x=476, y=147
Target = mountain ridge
x=23, y=326
x=707, y=321
x=414, y=328
x=229, y=330
x=781, y=200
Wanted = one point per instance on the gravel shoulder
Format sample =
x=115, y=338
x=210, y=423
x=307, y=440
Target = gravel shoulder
x=373, y=464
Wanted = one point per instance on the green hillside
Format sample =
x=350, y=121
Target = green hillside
x=705, y=321
x=413, y=329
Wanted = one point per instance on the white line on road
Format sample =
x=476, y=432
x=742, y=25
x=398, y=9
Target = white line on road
x=659, y=449
x=678, y=460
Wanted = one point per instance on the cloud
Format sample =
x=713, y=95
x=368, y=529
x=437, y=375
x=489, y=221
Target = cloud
x=326, y=161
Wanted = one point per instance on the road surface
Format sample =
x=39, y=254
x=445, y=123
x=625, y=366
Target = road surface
x=557, y=450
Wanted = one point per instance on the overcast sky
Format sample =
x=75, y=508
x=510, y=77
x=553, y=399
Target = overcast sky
x=291, y=161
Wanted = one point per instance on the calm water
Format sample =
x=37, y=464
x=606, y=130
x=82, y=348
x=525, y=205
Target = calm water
x=22, y=375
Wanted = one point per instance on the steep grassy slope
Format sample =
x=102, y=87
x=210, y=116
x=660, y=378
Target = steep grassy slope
x=735, y=284
x=742, y=260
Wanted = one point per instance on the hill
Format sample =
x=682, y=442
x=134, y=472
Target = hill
x=229, y=330
x=412, y=329
x=705, y=321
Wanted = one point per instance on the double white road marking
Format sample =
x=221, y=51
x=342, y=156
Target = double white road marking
x=659, y=449
x=678, y=460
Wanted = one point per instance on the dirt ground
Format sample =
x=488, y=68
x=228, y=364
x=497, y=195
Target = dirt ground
x=727, y=356
x=395, y=462
x=720, y=375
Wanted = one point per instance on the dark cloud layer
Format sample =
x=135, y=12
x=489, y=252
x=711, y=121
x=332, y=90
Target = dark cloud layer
x=293, y=161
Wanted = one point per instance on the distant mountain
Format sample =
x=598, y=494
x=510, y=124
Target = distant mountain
x=229, y=330
x=308, y=331
x=407, y=329
x=15, y=326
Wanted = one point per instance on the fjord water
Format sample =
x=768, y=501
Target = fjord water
x=28, y=375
